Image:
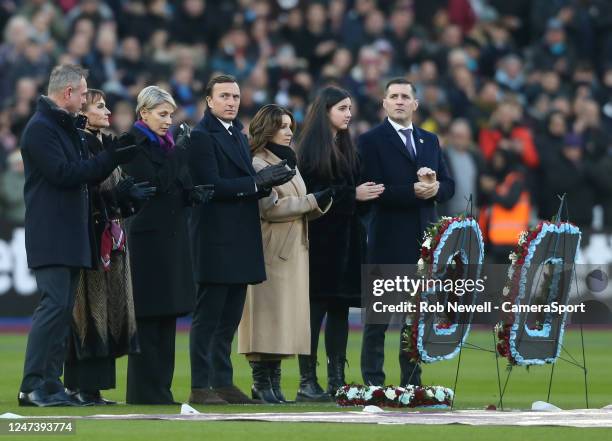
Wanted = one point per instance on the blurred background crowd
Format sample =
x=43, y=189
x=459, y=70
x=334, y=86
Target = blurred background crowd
x=506, y=85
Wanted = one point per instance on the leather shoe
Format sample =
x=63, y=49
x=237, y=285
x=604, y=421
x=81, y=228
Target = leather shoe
x=90, y=398
x=233, y=395
x=39, y=398
x=205, y=396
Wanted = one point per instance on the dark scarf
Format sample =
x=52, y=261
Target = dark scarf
x=166, y=143
x=283, y=152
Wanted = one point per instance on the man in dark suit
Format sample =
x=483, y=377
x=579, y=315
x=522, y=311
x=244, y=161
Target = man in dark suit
x=395, y=153
x=226, y=240
x=58, y=226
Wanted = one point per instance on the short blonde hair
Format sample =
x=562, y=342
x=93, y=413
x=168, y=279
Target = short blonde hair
x=152, y=96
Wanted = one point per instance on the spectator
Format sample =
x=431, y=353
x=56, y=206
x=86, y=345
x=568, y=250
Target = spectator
x=465, y=165
x=505, y=132
x=11, y=190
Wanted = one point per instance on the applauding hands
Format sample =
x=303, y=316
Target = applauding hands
x=427, y=187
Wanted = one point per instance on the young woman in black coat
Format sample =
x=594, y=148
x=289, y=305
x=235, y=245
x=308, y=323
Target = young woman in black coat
x=159, y=246
x=328, y=160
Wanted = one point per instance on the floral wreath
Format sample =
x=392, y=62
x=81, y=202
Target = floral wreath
x=391, y=396
x=433, y=239
x=520, y=260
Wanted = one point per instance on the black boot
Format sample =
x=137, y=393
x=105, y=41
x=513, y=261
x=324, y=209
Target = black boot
x=335, y=373
x=274, y=368
x=309, y=390
x=262, y=387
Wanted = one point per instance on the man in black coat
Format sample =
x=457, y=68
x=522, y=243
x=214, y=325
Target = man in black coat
x=58, y=226
x=395, y=153
x=226, y=240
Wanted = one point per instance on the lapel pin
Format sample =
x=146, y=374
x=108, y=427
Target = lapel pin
x=421, y=140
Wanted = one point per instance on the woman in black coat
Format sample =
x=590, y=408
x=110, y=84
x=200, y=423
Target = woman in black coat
x=159, y=246
x=104, y=325
x=328, y=160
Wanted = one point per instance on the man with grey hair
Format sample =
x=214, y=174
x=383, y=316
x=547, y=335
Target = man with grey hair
x=58, y=225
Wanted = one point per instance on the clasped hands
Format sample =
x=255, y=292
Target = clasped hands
x=427, y=187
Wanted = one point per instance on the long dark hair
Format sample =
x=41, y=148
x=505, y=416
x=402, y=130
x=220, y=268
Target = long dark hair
x=318, y=152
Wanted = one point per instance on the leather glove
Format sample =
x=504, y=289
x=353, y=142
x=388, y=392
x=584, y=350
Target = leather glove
x=183, y=136
x=123, y=149
x=324, y=197
x=274, y=175
x=201, y=194
x=127, y=189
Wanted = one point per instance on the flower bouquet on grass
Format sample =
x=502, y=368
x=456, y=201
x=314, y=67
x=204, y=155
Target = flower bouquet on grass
x=391, y=396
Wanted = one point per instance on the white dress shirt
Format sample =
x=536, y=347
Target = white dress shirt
x=398, y=127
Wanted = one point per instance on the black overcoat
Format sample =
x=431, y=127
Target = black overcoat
x=226, y=232
x=158, y=240
x=336, y=241
x=58, y=224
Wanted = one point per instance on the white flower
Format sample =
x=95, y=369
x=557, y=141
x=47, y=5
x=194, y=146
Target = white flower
x=506, y=291
x=353, y=393
x=513, y=257
x=405, y=398
x=440, y=395
x=522, y=238
x=390, y=393
x=427, y=243
x=421, y=264
x=429, y=393
x=369, y=392
x=450, y=393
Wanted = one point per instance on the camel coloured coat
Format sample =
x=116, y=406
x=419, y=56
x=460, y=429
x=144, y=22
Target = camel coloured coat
x=276, y=316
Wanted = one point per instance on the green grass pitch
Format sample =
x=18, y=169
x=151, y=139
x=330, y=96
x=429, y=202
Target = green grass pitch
x=477, y=387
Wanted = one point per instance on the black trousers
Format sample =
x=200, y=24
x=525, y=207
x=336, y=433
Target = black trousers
x=336, y=326
x=48, y=338
x=215, y=321
x=150, y=373
x=373, y=359
x=90, y=375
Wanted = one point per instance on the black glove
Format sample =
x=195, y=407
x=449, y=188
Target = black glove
x=183, y=136
x=127, y=189
x=123, y=149
x=201, y=194
x=324, y=197
x=274, y=175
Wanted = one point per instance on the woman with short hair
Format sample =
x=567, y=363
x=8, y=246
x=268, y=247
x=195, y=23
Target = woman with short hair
x=104, y=325
x=159, y=246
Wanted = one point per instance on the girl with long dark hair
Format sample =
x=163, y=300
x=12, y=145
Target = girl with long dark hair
x=328, y=159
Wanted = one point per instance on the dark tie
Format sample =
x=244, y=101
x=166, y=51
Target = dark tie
x=409, y=146
x=234, y=133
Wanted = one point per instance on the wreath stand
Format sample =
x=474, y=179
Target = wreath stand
x=582, y=365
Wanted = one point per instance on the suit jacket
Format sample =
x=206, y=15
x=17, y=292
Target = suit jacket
x=226, y=232
x=58, y=225
x=398, y=219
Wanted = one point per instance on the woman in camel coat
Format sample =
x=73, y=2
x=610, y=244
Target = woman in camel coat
x=275, y=322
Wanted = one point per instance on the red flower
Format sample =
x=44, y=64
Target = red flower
x=379, y=393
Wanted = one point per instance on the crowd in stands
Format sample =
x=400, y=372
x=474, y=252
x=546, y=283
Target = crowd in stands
x=508, y=86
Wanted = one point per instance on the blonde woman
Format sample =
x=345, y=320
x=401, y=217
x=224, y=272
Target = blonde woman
x=275, y=322
x=159, y=246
